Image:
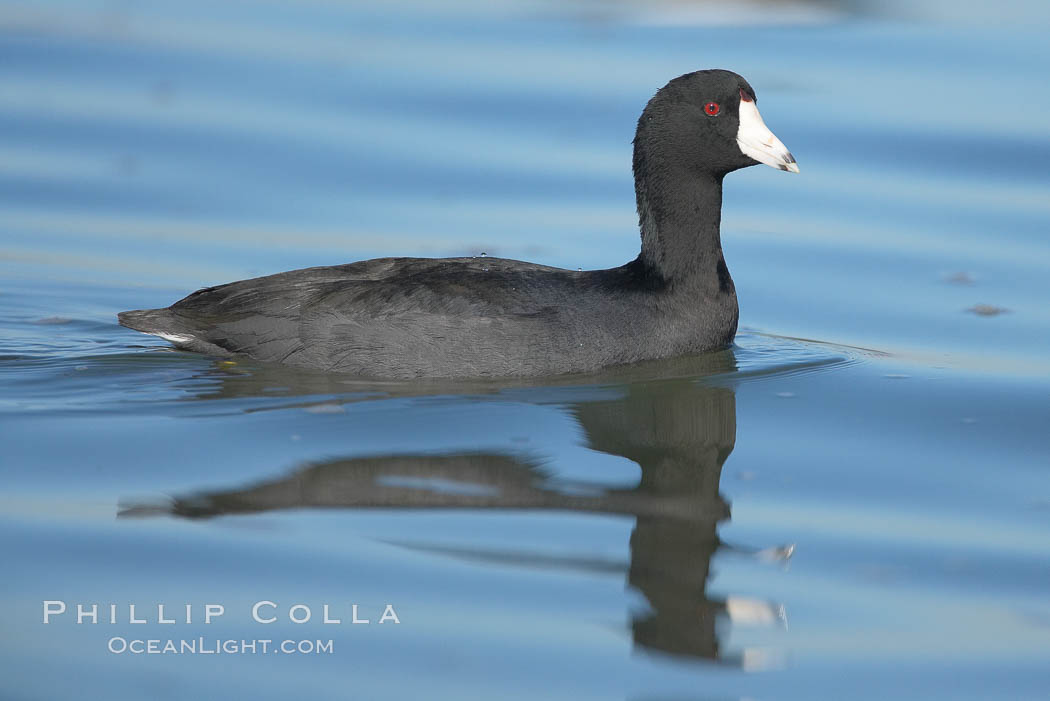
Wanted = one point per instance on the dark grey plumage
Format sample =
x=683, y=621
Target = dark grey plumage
x=472, y=317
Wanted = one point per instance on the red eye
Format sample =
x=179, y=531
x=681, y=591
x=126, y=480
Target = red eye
x=712, y=109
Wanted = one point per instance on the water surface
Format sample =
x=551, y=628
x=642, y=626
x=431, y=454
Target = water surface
x=853, y=502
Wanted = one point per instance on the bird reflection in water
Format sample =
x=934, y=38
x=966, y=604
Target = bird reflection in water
x=679, y=431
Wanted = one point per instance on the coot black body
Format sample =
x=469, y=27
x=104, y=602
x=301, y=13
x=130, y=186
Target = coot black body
x=476, y=317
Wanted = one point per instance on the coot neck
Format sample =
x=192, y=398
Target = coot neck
x=679, y=212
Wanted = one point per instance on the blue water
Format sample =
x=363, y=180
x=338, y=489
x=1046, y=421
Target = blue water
x=853, y=502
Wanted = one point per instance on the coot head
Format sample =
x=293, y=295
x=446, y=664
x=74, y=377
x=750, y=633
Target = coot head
x=708, y=121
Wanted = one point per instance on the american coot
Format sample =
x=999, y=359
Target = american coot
x=473, y=317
